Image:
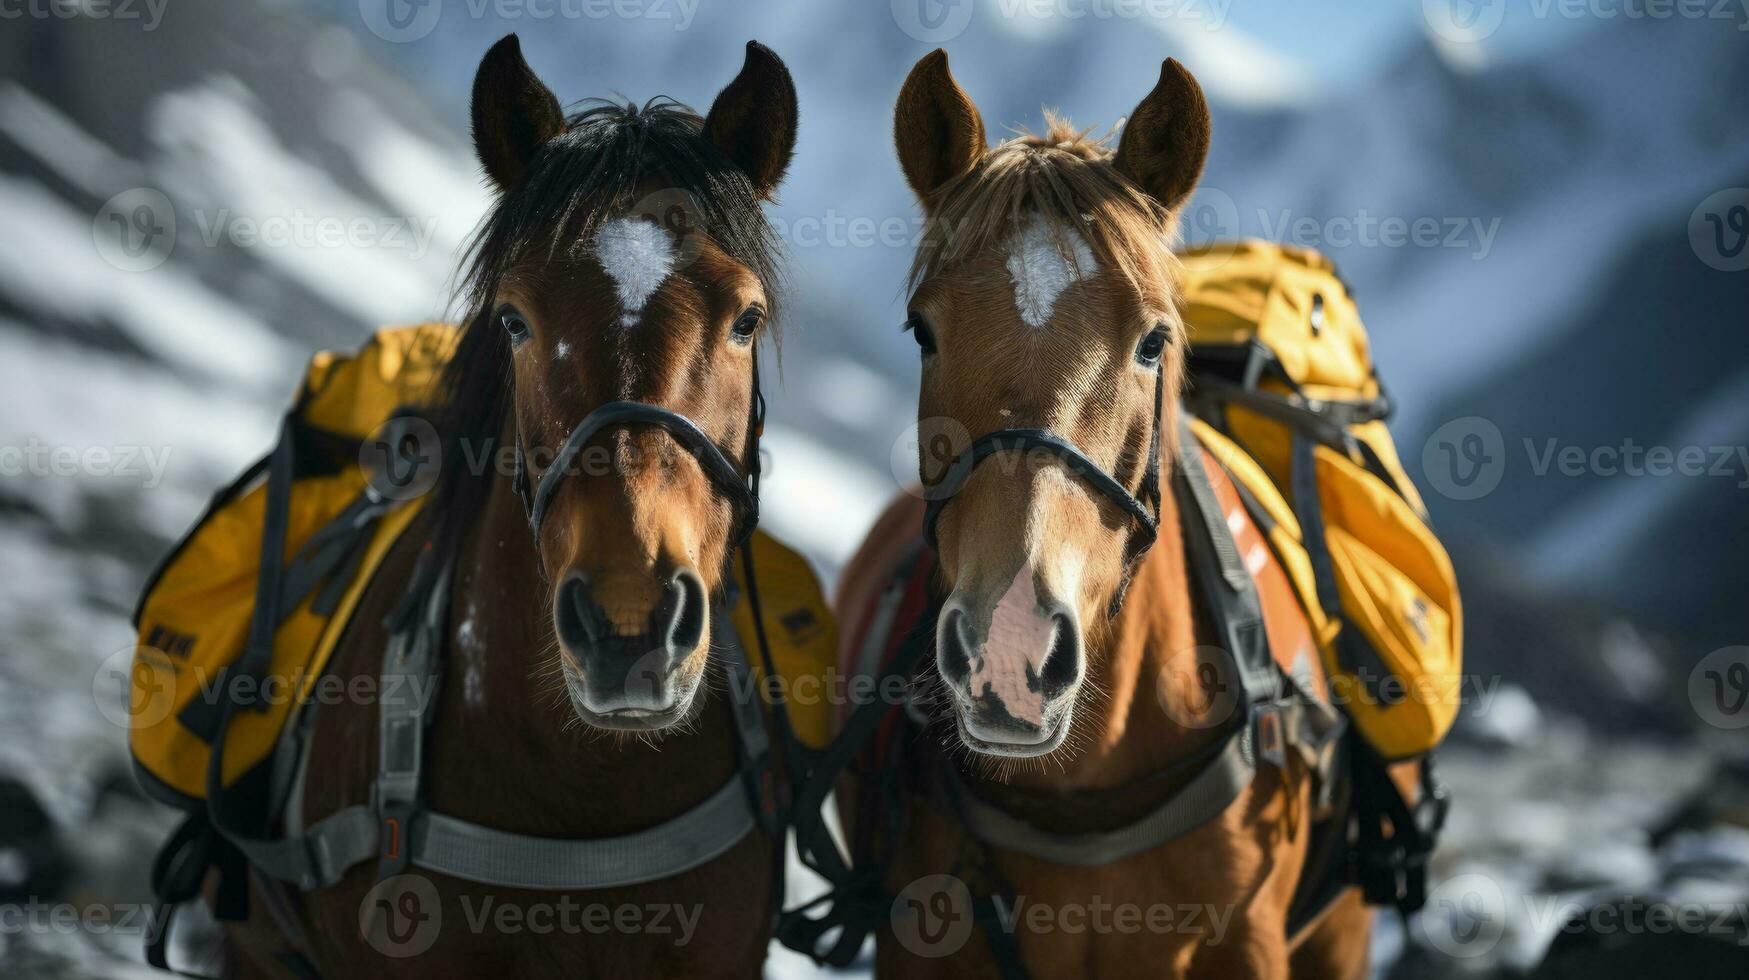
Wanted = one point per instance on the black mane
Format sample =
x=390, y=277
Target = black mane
x=594, y=170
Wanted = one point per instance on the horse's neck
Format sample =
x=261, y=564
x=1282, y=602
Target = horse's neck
x=1139, y=666
x=507, y=723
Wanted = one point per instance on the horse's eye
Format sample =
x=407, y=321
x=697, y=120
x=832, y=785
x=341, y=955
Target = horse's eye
x=514, y=324
x=919, y=329
x=1152, y=346
x=746, y=325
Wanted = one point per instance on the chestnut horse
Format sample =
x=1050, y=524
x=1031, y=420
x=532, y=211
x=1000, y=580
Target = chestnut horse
x=1044, y=302
x=554, y=720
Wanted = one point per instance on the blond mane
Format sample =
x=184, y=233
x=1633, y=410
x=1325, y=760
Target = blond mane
x=1067, y=177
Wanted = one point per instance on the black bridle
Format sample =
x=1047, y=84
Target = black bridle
x=1146, y=517
x=742, y=490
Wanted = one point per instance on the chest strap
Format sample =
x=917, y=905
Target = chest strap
x=398, y=831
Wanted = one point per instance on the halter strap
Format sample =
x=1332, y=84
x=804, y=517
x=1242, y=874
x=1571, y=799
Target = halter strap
x=1143, y=507
x=742, y=491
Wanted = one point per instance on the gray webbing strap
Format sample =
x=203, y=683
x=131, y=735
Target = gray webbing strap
x=321, y=856
x=753, y=742
x=1232, y=593
x=1204, y=797
x=493, y=857
x=1211, y=791
x=404, y=708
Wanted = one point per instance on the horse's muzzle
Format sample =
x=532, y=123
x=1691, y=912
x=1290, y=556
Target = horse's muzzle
x=1013, y=684
x=632, y=682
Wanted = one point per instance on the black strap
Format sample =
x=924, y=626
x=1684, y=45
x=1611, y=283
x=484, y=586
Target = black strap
x=256, y=659
x=857, y=903
x=742, y=490
x=615, y=415
x=769, y=792
x=1143, y=507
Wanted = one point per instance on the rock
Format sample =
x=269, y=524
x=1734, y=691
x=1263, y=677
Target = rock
x=33, y=863
x=1639, y=937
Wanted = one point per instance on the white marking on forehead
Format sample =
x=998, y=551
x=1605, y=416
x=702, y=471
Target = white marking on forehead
x=1040, y=268
x=637, y=255
x=561, y=350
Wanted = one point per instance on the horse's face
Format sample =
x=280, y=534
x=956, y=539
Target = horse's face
x=647, y=307
x=1060, y=317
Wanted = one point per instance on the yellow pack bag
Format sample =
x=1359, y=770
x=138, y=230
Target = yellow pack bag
x=194, y=615
x=1281, y=378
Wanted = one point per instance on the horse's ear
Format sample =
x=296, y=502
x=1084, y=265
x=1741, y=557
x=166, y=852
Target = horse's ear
x=514, y=115
x=936, y=127
x=753, y=120
x=1166, y=140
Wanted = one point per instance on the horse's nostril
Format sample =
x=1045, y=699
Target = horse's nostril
x=955, y=646
x=680, y=617
x=575, y=615
x=1063, y=665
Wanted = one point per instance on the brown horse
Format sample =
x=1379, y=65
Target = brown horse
x=578, y=699
x=1044, y=299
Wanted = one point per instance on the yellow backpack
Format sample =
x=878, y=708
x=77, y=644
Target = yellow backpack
x=194, y=616
x=1281, y=380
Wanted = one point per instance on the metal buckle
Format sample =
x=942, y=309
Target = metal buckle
x=1271, y=738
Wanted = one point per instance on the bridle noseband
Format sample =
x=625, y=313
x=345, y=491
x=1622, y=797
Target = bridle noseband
x=1146, y=517
x=742, y=491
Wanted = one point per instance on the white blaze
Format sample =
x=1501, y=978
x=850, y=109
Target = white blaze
x=1040, y=268
x=637, y=255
